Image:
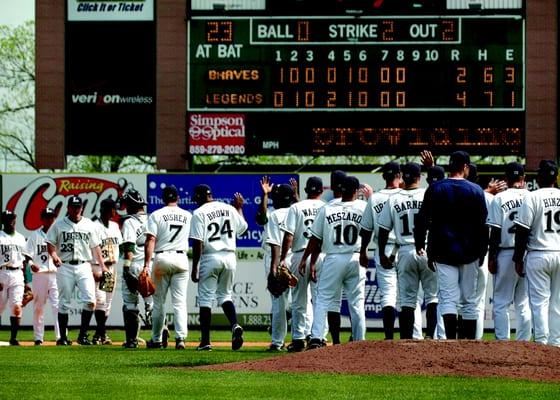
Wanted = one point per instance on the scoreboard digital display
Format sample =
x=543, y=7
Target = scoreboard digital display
x=356, y=84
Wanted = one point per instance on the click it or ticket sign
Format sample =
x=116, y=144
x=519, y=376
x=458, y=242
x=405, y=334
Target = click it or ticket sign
x=107, y=10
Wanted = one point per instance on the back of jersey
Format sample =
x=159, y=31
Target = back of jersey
x=338, y=226
x=399, y=212
x=171, y=227
x=299, y=220
x=502, y=212
x=375, y=205
x=134, y=231
x=540, y=213
x=217, y=225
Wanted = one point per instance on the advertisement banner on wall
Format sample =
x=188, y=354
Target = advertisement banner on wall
x=107, y=10
x=27, y=194
x=216, y=133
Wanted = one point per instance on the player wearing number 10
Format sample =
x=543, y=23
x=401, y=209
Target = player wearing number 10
x=214, y=228
x=167, y=236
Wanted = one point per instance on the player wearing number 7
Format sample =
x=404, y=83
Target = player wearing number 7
x=214, y=228
x=167, y=236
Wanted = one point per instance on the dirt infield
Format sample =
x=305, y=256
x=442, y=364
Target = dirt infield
x=518, y=360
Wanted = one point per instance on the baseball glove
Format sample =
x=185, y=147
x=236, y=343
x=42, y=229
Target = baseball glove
x=27, y=295
x=107, y=282
x=279, y=283
x=146, y=286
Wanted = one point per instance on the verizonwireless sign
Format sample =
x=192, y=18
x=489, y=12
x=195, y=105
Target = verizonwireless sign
x=106, y=10
x=216, y=133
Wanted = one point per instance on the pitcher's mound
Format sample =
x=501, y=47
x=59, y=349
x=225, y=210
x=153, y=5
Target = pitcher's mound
x=519, y=360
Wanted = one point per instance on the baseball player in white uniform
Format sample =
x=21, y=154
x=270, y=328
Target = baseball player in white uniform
x=167, y=236
x=336, y=228
x=296, y=227
x=398, y=216
x=72, y=243
x=214, y=228
x=508, y=286
x=111, y=238
x=538, y=234
x=386, y=277
x=134, y=235
x=282, y=198
x=44, y=276
x=12, y=279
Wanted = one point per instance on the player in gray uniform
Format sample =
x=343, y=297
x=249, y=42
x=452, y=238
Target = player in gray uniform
x=44, y=276
x=336, y=229
x=296, y=236
x=111, y=238
x=508, y=286
x=214, y=228
x=537, y=234
x=457, y=242
x=72, y=243
x=12, y=277
x=167, y=236
x=398, y=215
x=386, y=277
x=134, y=235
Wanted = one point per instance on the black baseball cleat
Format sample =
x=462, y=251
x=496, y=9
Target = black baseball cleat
x=297, y=345
x=315, y=344
x=204, y=347
x=150, y=344
x=84, y=341
x=236, y=337
x=179, y=344
x=38, y=342
x=14, y=342
x=165, y=337
x=131, y=344
x=63, y=342
x=274, y=348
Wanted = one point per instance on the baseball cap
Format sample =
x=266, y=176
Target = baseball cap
x=283, y=191
x=108, y=204
x=133, y=197
x=459, y=158
x=410, y=170
x=391, y=168
x=514, y=171
x=349, y=184
x=435, y=173
x=47, y=212
x=473, y=173
x=8, y=215
x=170, y=193
x=202, y=190
x=75, y=201
x=314, y=185
x=548, y=169
x=336, y=177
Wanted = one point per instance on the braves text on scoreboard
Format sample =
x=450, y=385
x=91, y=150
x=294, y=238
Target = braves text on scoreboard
x=360, y=84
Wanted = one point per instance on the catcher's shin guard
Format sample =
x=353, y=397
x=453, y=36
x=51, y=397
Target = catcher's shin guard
x=131, y=324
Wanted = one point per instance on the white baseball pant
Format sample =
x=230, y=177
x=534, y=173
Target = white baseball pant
x=69, y=276
x=44, y=287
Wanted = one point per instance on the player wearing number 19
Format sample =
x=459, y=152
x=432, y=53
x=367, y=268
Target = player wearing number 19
x=167, y=236
x=214, y=228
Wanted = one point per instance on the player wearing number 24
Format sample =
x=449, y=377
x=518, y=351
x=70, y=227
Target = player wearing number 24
x=214, y=228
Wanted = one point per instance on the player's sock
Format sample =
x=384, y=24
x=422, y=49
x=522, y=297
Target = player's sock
x=229, y=311
x=205, y=320
x=84, y=326
x=469, y=328
x=63, y=326
x=450, y=323
x=14, y=327
x=333, y=319
x=406, y=322
x=100, y=319
x=388, y=322
x=431, y=319
x=460, y=328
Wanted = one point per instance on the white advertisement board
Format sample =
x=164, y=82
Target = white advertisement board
x=107, y=10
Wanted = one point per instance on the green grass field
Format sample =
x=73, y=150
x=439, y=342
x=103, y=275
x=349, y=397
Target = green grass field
x=115, y=373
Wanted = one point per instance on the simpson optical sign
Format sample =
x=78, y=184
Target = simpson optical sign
x=377, y=66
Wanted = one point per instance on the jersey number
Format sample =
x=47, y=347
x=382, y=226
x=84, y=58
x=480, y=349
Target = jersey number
x=349, y=234
x=67, y=247
x=307, y=223
x=216, y=231
x=511, y=217
x=405, y=225
x=44, y=258
x=552, y=218
x=177, y=229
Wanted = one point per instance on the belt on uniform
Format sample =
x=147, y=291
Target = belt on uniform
x=75, y=262
x=169, y=251
x=9, y=268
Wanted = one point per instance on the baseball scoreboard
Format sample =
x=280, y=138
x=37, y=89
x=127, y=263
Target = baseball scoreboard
x=357, y=82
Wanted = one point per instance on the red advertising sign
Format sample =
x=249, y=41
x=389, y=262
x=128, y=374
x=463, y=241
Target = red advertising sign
x=216, y=133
